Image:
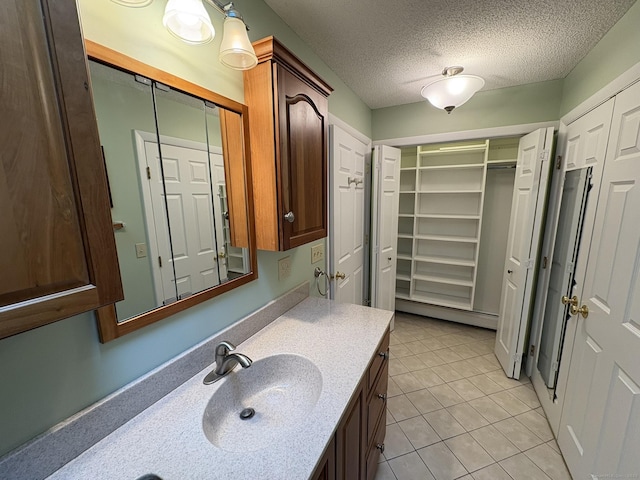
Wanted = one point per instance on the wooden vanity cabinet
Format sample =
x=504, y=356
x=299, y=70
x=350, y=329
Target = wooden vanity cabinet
x=288, y=124
x=359, y=438
x=57, y=250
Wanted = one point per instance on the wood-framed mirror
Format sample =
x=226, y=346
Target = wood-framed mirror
x=178, y=164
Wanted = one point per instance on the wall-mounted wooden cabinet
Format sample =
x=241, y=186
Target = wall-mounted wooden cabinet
x=57, y=251
x=288, y=120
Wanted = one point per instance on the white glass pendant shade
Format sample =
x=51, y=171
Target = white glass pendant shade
x=189, y=21
x=133, y=3
x=236, y=50
x=450, y=92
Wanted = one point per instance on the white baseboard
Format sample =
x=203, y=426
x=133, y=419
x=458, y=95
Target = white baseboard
x=477, y=319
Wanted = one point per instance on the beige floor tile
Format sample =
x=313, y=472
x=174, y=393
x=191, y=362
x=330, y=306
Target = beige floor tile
x=431, y=359
x=467, y=416
x=389, y=418
x=489, y=409
x=412, y=363
x=447, y=373
x=463, y=351
x=396, y=367
x=483, y=365
x=441, y=462
x=384, y=472
x=549, y=461
x=492, y=472
x=449, y=355
x=417, y=347
x=554, y=445
x=485, y=384
x=401, y=408
x=410, y=467
x=496, y=444
x=396, y=442
x=491, y=358
x=510, y=403
x=469, y=452
x=428, y=377
x=465, y=368
x=424, y=401
x=536, y=424
x=466, y=389
x=444, y=424
x=466, y=477
x=527, y=395
x=393, y=389
x=452, y=340
x=521, y=468
x=393, y=339
x=419, y=432
x=432, y=343
x=445, y=395
x=407, y=382
x=400, y=350
x=518, y=434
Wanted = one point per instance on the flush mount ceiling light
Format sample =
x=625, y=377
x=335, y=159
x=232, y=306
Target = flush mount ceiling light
x=453, y=90
x=189, y=21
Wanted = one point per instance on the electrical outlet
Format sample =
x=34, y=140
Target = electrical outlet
x=284, y=268
x=317, y=253
x=141, y=250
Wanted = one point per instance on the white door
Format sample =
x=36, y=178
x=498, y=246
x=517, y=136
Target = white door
x=384, y=228
x=219, y=208
x=347, y=250
x=600, y=425
x=525, y=225
x=573, y=204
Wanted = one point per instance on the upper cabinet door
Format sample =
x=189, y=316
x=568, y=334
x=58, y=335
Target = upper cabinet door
x=288, y=122
x=57, y=252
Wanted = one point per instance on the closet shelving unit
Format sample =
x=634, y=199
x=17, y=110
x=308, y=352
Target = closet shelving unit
x=439, y=225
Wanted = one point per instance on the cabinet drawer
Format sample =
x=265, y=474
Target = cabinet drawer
x=380, y=360
x=377, y=402
x=375, y=449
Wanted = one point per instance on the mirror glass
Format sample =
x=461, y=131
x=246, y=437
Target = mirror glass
x=172, y=160
x=565, y=254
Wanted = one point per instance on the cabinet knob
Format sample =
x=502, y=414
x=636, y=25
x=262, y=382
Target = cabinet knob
x=382, y=396
x=289, y=217
x=380, y=446
x=384, y=355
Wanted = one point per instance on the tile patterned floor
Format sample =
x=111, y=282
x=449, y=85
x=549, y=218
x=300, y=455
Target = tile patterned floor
x=453, y=414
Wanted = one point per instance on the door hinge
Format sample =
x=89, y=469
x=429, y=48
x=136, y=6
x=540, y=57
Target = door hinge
x=558, y=162
x=529, y=264
x=160, y=261
x=148, y=173
x=366, y=239
x=367, y=303
x=544, y=154
x=544, y=262
x=532, y=350
x=143, y=80
x=570, y=266
x=554, y=367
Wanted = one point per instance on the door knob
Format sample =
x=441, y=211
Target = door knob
x=583, y=310
x=570, y=301
x=340, y=275
x=289, y=217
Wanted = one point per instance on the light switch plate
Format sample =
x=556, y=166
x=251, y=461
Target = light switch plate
x=317, y=253
x=141, y=250
x=284, y=268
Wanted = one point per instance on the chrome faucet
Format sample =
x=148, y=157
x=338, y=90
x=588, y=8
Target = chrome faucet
x=226, y=361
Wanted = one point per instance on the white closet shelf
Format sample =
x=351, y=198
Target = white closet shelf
x=444, y=238
x=446, y=261
x=452, y=167
x=457, y=191
x=440, y=215
x=407, y=191
x=402, y=294
x=406, y=278
x=400, y=256
x=407, y=168
x=508, y=161
x=406, y=215
x=405, y=235
x=445, y=280
x=481, y=147
x=442, y=300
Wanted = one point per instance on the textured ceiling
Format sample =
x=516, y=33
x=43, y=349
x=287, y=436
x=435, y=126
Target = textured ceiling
x=386, y=50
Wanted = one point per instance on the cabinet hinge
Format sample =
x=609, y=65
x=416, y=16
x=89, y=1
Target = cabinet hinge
x=532, y=350
x=142, y=80
x=148, y=173
x=162, y=86
x=558, y=162
x=160, y=261
x=544, y=262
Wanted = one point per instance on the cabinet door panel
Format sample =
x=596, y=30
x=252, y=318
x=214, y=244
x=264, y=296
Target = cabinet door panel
x=57, y=248
x=303, y=154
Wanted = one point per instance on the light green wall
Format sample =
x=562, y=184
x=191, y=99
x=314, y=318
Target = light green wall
x=536, y=102
x=616, y=52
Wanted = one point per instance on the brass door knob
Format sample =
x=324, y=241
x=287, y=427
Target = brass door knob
x=583, y=310
x=340, y=275
x=570, y=301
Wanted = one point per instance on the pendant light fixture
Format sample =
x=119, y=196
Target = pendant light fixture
x=453, y=90
x=189, y=21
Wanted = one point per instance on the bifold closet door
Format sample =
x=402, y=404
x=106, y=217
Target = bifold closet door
x=525, y=225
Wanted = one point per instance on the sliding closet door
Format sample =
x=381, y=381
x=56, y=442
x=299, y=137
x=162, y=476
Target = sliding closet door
x=525, y=225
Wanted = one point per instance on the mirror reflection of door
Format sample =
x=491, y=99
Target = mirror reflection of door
x=574, y=201
x=164, y=156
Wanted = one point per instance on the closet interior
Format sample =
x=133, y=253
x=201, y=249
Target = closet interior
x=454, y=209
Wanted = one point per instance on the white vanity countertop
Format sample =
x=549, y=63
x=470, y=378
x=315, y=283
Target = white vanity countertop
x=167, y=439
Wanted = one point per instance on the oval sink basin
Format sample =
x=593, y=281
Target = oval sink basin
x=274, y=395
